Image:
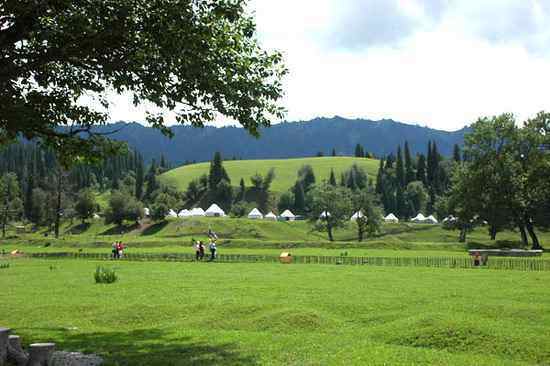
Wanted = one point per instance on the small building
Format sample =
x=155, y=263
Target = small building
x=184, y=213
x=171, y=214
x=255, y=214
x=214, y=211
x=419, y=219
x=357, y=215
x=324, y=215
x=431, y=220
x=196, y=212
x=270, y=216
x=146, y=212
x=287, y=215
x=391, y=218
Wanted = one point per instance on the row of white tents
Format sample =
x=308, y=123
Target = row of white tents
x=216, y=211
x=419, y=219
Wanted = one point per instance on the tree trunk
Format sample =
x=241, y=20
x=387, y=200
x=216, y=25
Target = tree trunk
x=58, y=207
x=493, y=232
x=329, y=230
x=523, y=234
x=462, y=236
x=533, y=235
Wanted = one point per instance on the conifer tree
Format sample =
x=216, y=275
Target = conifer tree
x=299, y=198
x=332, y=178
x=456, y=153
x=400, y=171
x=333, y=152
x=380, y=177
x=139, y=176
x=409, y=169
x=421, y=169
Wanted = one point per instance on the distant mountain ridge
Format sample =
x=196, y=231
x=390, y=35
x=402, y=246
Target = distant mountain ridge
x=284, y=140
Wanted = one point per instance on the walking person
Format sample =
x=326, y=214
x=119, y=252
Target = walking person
x=213, y=250
x=201, y=250
x=114, y=250
x=197, y=250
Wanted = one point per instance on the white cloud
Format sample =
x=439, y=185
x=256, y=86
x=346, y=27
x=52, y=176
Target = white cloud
x=441, y=63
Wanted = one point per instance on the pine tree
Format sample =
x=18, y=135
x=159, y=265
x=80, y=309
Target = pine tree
x=456, y=153
x=429, y=166
x=242, y=190
x=299, y=198
x=28, y=197
x=151, y=181
x=359, y=153
x=380, y=177
x=332, y=178
x=409, y=169
x=400, y=171
x=139, y=176
x=217, y=172
x=421, y=169
x=333, y=152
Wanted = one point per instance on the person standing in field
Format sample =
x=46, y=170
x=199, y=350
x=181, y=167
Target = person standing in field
x=213, y=250
x=120, y=249
x=114, y=250
x=201, y=250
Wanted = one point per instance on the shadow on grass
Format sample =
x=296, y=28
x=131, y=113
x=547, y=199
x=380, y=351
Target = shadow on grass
x=78, y=229
x=151, y=347
x=155, y=228
x=499, y=244
x=119, y=230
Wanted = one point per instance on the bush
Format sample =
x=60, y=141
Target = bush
x=105, y=275
x=4, y=265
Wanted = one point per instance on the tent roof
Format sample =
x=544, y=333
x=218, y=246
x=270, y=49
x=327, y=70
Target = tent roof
x=197, y=212
x=287, y=213
x=255, y=212
x=419, y=217
x=391, y=217
x=357, y=215
x=324, y=214
x=214, y=208
x=271, y=214
x=432, y=219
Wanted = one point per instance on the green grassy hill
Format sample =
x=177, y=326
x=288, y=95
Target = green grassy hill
x=285, y=170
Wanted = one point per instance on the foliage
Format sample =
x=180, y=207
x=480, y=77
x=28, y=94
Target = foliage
x=307, y=177
x=334, y=200
x=105, y=275
x=417, y=198
x=11, y=204
x=286, y=202
x=85, y=205
x=123, y=206
x=169, y=55
x=241, y=209
x=370, y=220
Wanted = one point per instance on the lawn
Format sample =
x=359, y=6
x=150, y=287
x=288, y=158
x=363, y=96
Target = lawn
x=261, y=314
x=286, y=170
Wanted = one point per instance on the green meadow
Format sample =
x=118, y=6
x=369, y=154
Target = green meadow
x=286, y=170
x=274, y=314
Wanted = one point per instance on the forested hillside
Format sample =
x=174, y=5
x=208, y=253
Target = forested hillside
x=285, y=140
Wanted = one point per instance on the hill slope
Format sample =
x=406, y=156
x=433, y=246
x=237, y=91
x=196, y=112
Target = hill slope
x=286, y=170
x=285, y=140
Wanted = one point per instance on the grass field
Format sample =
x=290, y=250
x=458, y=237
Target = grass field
x=263, y=237
x=271, y=314
x=285, y=170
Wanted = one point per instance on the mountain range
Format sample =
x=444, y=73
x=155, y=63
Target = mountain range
x=284, y=140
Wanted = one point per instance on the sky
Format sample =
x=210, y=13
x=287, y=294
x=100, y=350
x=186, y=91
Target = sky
x=436, y=63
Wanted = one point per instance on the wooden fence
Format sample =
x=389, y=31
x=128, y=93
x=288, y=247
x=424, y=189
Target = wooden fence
x=521, y=264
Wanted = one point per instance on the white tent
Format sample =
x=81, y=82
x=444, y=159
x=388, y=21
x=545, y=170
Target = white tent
x=270, y=216
x=431, y=220
x=419, y=218
x=196, y=212
x=324, y=215
x=214, y=211
x=355, y=216
x=172, y=213
x=184, y=213
x=146, y=211
x=255, y=214
x=96, y=217
x=288, y=216
x=449, y=218
x=391, y=218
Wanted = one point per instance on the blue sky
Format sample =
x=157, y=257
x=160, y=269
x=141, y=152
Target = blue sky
x=440, y=63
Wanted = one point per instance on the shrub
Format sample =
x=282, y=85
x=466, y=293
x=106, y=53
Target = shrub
x=4, y=265
x=104, y=275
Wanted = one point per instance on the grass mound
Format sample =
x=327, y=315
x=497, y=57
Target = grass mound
x=467, y=335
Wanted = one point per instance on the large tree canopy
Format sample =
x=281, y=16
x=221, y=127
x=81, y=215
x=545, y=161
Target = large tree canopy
x=199, y=58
